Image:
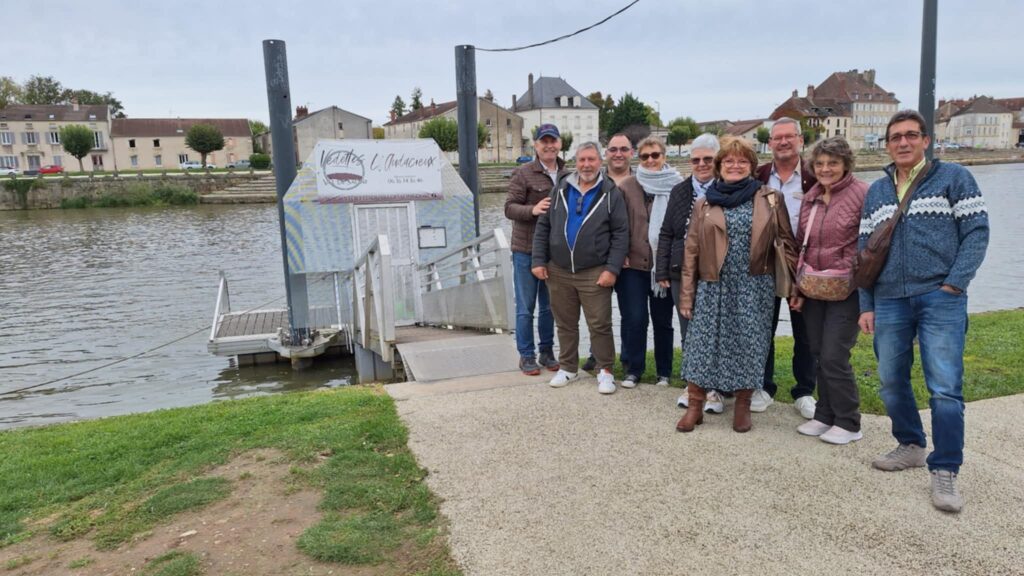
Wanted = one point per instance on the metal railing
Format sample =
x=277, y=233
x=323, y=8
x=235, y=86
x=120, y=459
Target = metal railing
x=367, y=312
x=223, y=305
x=470, y=286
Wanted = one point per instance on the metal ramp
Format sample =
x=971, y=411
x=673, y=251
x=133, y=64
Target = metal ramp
x=464, y=304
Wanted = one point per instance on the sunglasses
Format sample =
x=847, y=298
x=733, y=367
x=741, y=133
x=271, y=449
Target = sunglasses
x=647, y=155
x=619, y=150
x=579, y=205
x=705, y=159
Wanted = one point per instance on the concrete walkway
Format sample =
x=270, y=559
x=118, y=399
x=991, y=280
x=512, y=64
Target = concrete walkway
x=543, y=481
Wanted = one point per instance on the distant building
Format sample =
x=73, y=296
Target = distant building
x=848, y=104
x=552, y=100
x=155, y=143
x=331, y=123
x=1016, y=106
x=504, y=128
x=747, y=129
x=983, y=123
x=30, y=136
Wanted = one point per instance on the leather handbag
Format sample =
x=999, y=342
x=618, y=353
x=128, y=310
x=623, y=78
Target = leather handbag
x=832, y=284
x=871, y=259
x=783, y=275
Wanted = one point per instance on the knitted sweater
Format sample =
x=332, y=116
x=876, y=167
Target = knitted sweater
x=941, y=240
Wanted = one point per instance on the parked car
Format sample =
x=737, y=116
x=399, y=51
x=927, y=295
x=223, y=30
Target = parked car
x=524, y=159
x=51, y=169
x=239, y=164
x=1020, y=144
x=195, y=165
x=951, y=146
x=9, y=172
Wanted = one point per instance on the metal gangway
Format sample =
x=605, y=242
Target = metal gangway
x=464, y=308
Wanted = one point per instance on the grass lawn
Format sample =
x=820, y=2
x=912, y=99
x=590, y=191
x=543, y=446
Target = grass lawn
x=993, y=363
x=111, y=479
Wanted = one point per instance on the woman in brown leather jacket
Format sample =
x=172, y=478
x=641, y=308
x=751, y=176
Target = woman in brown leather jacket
x=728, y=283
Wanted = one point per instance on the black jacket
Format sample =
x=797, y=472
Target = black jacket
x=673, y=231
x=603, y=239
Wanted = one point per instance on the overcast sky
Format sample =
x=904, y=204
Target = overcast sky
x=713, y=59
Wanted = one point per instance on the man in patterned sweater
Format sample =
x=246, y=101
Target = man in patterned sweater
x=937, y=246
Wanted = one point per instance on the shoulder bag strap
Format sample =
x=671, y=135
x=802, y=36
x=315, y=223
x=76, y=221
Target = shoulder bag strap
x=905, y=202
x=810, y=224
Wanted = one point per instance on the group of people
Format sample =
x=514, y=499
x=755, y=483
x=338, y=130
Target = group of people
x=725, y=246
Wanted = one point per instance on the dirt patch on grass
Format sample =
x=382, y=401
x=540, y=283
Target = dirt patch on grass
x=251, y=532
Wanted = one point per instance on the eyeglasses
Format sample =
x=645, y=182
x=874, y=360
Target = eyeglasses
x=647, y=155
x=782, y=137
x=910, y=136
x=579, y=205
x=619, y=150
x=705, y=159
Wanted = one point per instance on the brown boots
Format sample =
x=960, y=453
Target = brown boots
x=741, y=411
x=695, y=410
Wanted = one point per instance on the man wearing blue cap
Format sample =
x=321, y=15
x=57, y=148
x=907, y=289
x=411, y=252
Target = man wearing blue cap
x=529, y=196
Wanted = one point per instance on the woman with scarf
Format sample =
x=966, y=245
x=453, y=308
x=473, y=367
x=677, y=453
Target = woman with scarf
x=639, y=294
x=728, y=284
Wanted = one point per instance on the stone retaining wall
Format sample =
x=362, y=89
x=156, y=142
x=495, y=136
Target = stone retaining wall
x=56, y=189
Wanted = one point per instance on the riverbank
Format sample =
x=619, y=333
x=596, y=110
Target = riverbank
x=324, y=481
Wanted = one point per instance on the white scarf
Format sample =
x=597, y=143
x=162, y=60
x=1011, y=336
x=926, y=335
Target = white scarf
x=658, y=184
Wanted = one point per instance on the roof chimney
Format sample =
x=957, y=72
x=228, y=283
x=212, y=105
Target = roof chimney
x=795, y=93
x=513, y=102
x=869, y=77
x=433, y=107
x=810, y=91
x=393, y=116
x=529, y=91
x=74, y=104
x=301, y=112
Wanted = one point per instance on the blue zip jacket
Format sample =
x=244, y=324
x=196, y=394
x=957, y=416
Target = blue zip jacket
x=940, y=240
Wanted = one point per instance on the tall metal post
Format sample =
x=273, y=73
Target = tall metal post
x=926, y=93
x=465, y=88
x=275, y=62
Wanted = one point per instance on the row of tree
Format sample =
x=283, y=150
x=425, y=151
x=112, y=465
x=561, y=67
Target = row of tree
x=46, y=90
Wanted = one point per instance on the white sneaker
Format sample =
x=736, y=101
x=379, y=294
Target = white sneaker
x=663, y=381
x=760, y=401
x=805, y=406
x=562, y=378
x=837, y=435
x=684, y=400
x=813, y=428
x=630, y=381
x=714, y=403
x=605, y=382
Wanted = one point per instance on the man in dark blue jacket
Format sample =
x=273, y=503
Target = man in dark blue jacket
x=579, y=246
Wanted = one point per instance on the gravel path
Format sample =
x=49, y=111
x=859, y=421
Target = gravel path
x=543, y=481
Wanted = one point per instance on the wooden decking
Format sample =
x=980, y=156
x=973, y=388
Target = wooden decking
x=258, y=322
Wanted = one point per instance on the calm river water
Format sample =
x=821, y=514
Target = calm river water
x=83, y=288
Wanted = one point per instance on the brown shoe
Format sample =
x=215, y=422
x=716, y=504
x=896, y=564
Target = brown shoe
x=741, y=411
x=694, y=411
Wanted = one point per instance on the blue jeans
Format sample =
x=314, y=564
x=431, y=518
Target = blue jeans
x=939, y=320
x=529, y=292
x=636, y=301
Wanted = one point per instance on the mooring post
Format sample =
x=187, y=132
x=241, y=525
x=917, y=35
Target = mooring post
x=926, y=93
x=275, y=62
x=465, y=89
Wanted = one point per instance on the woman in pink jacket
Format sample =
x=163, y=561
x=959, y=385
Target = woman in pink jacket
x=829, y=224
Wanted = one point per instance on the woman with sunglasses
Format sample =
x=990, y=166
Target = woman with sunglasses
x=669, y=260
x=639, y=294
x=728, y=284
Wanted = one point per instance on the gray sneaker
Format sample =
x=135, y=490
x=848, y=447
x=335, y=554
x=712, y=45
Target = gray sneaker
x=903, y=457
x=945, y=496
x=547, y=360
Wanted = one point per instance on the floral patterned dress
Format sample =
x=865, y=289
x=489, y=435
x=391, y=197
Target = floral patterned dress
x=728, y=338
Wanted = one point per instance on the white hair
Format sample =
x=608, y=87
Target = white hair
x=706, y=140
x=587, y=145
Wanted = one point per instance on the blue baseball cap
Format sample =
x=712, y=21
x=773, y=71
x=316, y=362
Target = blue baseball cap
x=547, y=130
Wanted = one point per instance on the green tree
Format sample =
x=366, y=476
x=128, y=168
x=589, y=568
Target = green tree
x=629, y=113
x=94, y=98
x=653, y=117
x=76, y=140
x=10, y=92
x=416, y=99
x=481, y=135
x=204, y=138
x=378, y=133
x=444, y=131
x=566, y=142
x=810, y=133
x=42, y=90
x=763, y=135
x=679, y=135
x=257, y=127
x=398, y=107
x=605, y=107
